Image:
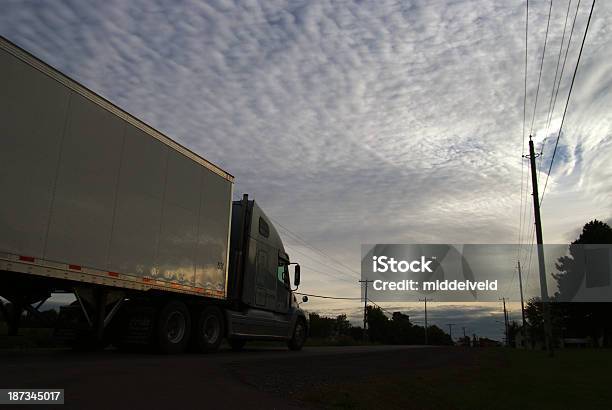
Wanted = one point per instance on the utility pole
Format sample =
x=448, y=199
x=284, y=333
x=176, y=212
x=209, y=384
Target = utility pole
x=365, y=306
x=425, y=300
x=538, y=229
x=450, y=330
x=520, y=275
x=506, y=322
x=463, y=327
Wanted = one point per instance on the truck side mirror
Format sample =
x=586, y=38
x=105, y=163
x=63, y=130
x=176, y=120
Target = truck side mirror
x=296, y=276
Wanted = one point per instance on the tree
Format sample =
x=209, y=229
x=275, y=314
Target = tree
x=342, y=325
x=381, y=329
x=378, y=324
x=437, y=336
x=535, y=321
x=320, y=326
x=584, y=319
x=570, y=272
x=513, y=330
x=401, y=330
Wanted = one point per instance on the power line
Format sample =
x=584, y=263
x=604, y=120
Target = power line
x=551, y=106
x=552, y=93
x=521, y=212
x=343, y=298
x=525, y=95
x=329, y=268
x=332, y=274
x=535, y=106
x=298, y=237
x=510, y=284
x=336, y=272
x=527, y=211
x=325, y=297
x=569, y=94
x=530, y=253
x=381, y=308
x=318, y=261
x=528, y=258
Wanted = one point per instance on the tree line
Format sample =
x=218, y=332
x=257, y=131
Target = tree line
x=382, y=329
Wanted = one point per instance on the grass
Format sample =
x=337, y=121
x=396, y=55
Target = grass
x=496, y=378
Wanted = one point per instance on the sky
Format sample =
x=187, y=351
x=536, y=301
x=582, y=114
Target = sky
x=357, y=122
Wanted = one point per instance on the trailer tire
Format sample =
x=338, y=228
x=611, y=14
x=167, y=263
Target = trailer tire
x=299, y=335
x=210, y=330
x=173, y=328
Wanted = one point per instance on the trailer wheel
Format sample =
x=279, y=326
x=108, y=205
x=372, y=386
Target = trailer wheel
x=173, y=328
x=210, y=330
x=299, y=335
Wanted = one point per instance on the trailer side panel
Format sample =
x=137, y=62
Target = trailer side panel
x=88, y=190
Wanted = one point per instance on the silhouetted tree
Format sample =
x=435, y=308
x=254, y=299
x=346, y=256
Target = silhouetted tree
x=401, y=330
x=513, y=330
x=321, y=327
x=570, y=269
x=356, y=333
x=343, y=325
x=535, y=321
x=437, y=336
x=378, y=324
x=581, y=319
x=381, y=329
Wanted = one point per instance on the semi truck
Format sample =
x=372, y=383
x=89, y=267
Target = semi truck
x=141, y=230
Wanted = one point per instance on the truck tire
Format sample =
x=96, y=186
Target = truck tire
x=299, y=335
x=210, y=330
x=173, y=328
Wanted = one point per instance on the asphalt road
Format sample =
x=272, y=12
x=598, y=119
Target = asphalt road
x=255, y=378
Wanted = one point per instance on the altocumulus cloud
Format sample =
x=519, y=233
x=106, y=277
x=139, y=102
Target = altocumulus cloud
x=351, y=122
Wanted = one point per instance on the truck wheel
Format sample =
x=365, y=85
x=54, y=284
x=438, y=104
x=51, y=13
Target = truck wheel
x=237, y=344
x=173, y=328
x=210, y=330
x=299, y=336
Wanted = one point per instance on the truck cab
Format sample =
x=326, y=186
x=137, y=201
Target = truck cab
x=263, y=304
